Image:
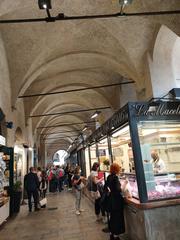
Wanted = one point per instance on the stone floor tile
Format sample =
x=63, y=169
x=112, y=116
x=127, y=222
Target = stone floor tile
x=57, y=222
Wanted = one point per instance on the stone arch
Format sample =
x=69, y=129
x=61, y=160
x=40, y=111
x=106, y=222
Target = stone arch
x=18, y=135
x=164, y=65
x=105, y=60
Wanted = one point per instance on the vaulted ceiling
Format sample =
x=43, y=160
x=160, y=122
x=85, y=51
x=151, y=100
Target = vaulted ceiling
x=56, y=56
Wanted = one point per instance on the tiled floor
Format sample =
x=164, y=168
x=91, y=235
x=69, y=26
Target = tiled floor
x=57, y=222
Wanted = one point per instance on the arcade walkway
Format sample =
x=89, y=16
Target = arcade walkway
x=57, y=222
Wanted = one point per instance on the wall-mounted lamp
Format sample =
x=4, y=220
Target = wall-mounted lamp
x=9, y=125
x=44, y=4
x=95, y=114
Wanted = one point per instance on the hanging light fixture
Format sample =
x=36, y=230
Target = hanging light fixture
x=95, y=114
x=44, y=4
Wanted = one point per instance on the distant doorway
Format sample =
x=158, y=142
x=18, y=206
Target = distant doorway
x=59, y=157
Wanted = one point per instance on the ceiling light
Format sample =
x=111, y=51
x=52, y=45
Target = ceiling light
x=95, y=114
x=122, y=131
x=84, y=129
x=125, y=2
x=44, y=4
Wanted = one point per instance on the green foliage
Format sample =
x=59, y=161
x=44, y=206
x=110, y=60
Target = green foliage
x=106, y=162
x=17, y=186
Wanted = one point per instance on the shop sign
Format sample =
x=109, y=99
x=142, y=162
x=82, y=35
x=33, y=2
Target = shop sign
x=118, y=119
x=163, y=109
x=2, y=140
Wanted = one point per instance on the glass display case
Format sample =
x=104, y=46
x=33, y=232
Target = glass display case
x=132, y=183
x=122, y=150
x=123, y=155
x=160, y=150
x=166, y=186
x=145, y=142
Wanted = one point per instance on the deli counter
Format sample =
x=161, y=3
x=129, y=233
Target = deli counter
x=163, y=186
x=144, y=139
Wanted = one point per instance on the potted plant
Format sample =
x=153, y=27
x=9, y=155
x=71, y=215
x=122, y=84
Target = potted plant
x=17, y=195
x=106, y=163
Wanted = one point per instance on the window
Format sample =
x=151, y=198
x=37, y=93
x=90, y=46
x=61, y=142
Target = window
x=160, y=150
x=93, y=154
x=103, y=153
x=123, y=155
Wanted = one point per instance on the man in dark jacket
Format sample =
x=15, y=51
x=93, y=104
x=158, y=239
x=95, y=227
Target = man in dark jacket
x=31, y=184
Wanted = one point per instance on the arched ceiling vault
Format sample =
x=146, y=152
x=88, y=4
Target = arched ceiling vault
x=46, y=57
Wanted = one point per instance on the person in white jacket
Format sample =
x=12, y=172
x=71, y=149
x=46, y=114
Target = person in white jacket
x=158, y=164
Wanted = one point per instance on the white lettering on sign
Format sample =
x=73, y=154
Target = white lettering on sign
x=161, y=110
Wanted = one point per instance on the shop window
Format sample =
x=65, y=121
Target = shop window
x=160, y=150
x=87, y=162
x=4, y=178
x=103, y=153
x=93, y=154
x=122, y=150
x=123, y=155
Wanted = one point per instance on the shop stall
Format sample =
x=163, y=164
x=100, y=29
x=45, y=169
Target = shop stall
x=145, y=141
x=6, y=180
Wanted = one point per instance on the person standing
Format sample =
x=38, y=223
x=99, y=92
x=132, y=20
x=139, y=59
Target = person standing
x=31, y=183
x=60, y=178
x=39, y=172
x=158, y=164
x=43, y=184
x=94, y=188
x=77, y=180
x=116, y=203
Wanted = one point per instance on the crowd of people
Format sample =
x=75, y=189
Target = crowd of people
x=53, y=179
x=107, y=194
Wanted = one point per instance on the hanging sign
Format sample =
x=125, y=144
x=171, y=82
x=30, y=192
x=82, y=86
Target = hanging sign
x=2, y=140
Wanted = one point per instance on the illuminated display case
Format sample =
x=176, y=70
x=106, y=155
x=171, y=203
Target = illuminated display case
x=155, y=134
x=160, y=150
x=165, y=186
x=145, y=142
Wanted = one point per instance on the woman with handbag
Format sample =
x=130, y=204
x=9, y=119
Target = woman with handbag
x=115, y=203
x=95, y=193
x=78, y=185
